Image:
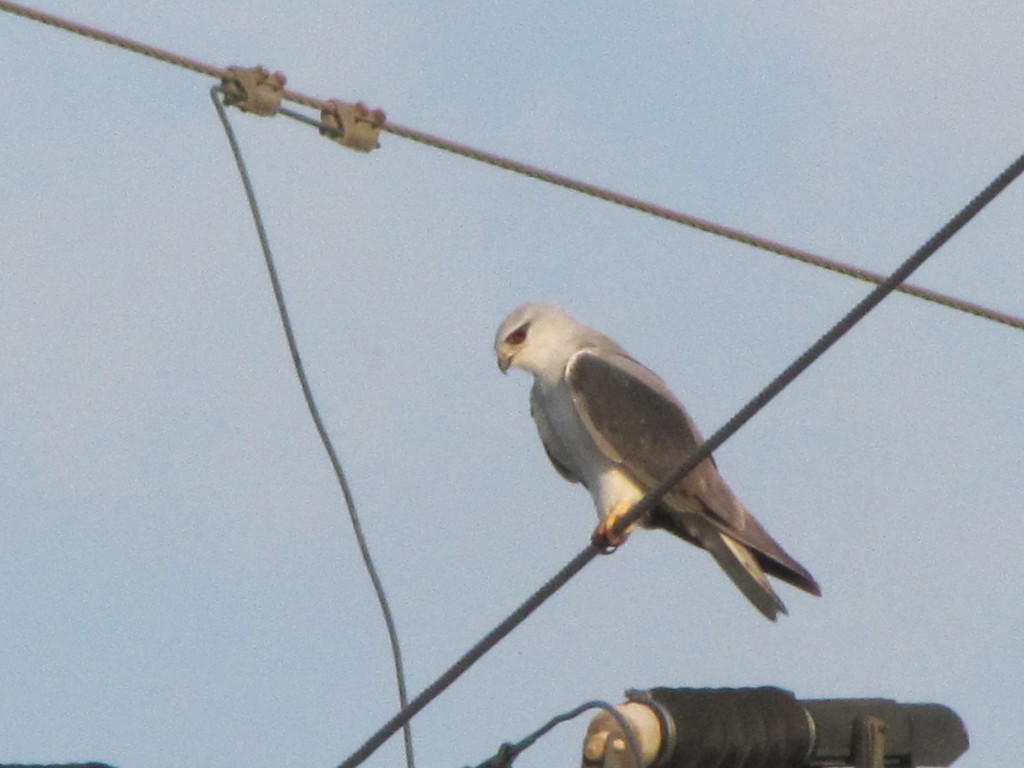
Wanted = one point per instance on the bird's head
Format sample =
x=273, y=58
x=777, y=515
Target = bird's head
x=539, y=338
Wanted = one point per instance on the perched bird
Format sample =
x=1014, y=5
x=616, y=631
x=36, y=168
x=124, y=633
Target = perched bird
x=611, y=424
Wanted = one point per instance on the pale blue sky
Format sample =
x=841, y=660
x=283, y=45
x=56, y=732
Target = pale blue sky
x=180, y=583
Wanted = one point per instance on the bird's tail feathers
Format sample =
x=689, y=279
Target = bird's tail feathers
x=731, y=518
x=742, y=567
x=792, y=573
x=773, y=558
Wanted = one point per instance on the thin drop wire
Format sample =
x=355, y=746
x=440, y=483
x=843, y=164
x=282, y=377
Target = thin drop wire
x=531, y=171
x=509, y=752
x=314, y=412
x=702, y=452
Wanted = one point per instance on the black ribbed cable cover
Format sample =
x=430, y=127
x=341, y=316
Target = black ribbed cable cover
x=730, y=728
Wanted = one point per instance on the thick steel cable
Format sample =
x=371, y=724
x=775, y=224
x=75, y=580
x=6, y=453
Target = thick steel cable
x=471, y=656
x=702, y=452
x=314, y=412
x=534, y=172
x=816, y=350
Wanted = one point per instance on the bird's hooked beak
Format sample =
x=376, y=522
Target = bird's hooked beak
x=505, y=356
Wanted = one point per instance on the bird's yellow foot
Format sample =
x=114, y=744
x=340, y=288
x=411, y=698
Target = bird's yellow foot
x=606, y=536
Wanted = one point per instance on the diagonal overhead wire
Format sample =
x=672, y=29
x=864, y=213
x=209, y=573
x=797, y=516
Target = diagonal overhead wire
x=702, y=452
x=314, y=412
x=535, y=172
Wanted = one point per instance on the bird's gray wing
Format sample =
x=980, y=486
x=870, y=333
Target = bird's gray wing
x=636, y=422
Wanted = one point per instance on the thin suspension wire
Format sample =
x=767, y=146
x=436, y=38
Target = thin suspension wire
x=509, y=752
x=534, y=172
x=111, y=39
x=314, y=412
x=695, y=222
x=702, y=452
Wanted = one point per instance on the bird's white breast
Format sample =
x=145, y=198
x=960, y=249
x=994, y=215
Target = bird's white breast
x=566, y=437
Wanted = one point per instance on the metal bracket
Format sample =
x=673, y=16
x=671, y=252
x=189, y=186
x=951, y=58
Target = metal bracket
x=355, y=126
x=254, y=90
x=869, y=742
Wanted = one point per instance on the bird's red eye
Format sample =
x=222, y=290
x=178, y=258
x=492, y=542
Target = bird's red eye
x=518, y=336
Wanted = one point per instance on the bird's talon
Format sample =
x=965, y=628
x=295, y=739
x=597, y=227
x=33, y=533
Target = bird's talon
x=601, y=540
x=605, y=537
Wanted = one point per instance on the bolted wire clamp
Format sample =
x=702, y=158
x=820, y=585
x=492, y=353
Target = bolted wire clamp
x=253, y=89
x=355, y=126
